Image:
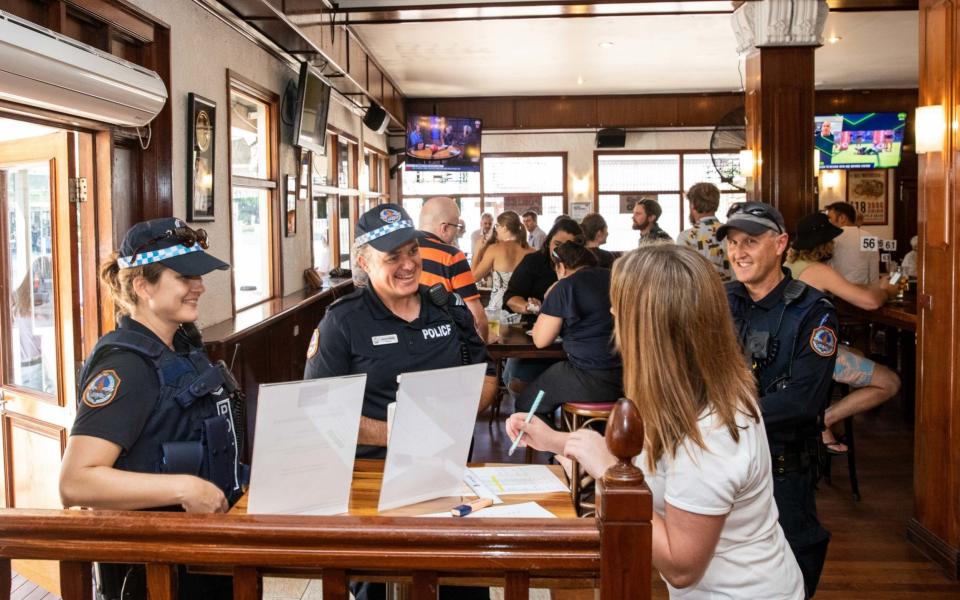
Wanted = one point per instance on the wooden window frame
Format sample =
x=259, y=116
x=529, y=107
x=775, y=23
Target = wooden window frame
x=680, y=154
x=271, y=184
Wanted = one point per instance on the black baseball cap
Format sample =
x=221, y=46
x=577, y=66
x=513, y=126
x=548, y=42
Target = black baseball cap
x=385, y=227
x=814, y=230
x=752, y=218
x=168, y=241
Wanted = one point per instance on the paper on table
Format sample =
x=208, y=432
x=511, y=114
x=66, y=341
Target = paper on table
x=526, y=479
x=524, y=510
x=306, y=441
x=428, y=444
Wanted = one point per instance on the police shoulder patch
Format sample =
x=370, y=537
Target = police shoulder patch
x=102, y=389
x=823, y=340
x=314, y=344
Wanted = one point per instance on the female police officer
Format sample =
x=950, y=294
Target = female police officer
x=154, y=426
x=391, y=324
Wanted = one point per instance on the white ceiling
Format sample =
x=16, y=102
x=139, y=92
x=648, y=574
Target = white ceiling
x=652, y=53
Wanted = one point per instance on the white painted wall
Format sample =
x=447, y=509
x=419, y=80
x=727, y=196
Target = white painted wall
x=203, y=49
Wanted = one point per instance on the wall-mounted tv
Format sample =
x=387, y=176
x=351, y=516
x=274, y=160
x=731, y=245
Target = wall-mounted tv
x=310, y=118
x=860, y=140
x=443, y=143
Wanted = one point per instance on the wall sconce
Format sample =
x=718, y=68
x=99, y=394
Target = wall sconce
x=830, y=178
x=747, y=163
x=931, y=124
x=580, y=186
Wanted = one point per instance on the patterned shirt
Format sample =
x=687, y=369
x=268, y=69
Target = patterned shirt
x=446, y=264
x=702, y=237
x=656, y=234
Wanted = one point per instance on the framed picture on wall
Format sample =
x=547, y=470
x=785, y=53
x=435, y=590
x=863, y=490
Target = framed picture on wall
x=867, y=191
x=201, y=139
x=290, y=202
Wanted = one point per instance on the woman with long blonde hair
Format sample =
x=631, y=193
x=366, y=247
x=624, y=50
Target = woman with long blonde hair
x=706, y=457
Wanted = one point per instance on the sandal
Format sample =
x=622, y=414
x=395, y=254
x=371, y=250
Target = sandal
x=836, y=448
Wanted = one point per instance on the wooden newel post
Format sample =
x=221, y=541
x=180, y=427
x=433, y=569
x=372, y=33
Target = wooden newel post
x=625, y=510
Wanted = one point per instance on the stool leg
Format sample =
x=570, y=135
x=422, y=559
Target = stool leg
x=851, y=458
x=575, y=470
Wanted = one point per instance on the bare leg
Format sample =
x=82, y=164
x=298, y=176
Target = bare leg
x=883, y=385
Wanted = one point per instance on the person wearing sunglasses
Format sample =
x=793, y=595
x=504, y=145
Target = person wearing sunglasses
x=154, y=428
x=788, y=331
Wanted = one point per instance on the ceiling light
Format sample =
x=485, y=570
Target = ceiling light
x=579, y=79
x=606, y=44
x=833, y=39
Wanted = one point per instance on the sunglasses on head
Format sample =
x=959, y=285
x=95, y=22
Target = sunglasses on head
x=185, y=235
x=756, y=211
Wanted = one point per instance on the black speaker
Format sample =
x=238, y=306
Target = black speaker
x=376, y=118
x=611, y=138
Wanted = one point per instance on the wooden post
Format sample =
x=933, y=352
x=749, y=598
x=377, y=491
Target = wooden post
x=625, y=510
x=76, y=580
x=161, y=581
x=5, y=577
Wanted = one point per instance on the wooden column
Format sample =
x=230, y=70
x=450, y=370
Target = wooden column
x=779, y=106
x=935, y=528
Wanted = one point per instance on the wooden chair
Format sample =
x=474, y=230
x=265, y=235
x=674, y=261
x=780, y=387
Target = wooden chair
x=611, y=552
x=577, y=415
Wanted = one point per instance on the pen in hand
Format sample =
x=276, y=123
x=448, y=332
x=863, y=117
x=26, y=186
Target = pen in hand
x=533, y=409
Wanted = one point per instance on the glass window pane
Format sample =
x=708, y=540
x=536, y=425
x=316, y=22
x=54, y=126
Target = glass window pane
x=493, y=205
x=322, y=209
x=636, y=172
x=470, y=213
x=346, y=232
x=699, y=167
x=344, y=172
x=32, y=343
x=321, y=170
x=619, y=223
x=523, y=174
x=440, y=183
x=251, y=246
x=249, y=137
x=673, y=220
x=413, y=206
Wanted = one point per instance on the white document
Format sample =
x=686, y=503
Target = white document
x=526, y=479
x=430, y=437
x=305, y=445
x=524, y=510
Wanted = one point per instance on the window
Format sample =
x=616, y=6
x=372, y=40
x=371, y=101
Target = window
x=321, y=211
x=517, y=182
x=253, y=187
x=624, y=177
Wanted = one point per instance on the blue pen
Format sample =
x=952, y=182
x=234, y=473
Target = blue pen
x=533, y=409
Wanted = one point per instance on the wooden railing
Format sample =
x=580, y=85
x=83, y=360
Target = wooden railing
x=611, y=552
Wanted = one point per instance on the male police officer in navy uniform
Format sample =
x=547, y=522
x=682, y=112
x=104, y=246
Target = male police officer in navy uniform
x=788, y=331
x=392, y=325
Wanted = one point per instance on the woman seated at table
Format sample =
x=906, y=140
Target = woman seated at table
x=706, y=457
x=578, y=308
x=501, y=254
x=528, y=285
x=595, y=233
x=875, y=383
x=390, y=325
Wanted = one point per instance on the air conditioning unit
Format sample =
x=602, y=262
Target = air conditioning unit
x=43, y=69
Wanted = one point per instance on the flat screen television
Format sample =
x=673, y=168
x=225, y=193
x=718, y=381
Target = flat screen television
x=443, y=143
x=310, y=113
x=860, y=140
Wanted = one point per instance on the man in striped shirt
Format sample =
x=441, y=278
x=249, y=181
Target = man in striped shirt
x=445, y=263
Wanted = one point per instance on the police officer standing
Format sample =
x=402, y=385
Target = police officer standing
x=788, y=330
x=154, y=426
x=391, y=324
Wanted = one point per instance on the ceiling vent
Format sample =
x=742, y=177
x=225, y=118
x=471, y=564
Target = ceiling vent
x=43, y=69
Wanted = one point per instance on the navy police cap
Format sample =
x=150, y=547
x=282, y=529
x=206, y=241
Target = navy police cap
x=385, y=227
x=169, y=241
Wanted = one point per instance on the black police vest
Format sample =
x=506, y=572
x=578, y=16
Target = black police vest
x=203, y=440
x=776, y=373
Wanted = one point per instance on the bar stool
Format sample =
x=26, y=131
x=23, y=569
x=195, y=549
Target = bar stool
x=577, y=415
x=848, y=440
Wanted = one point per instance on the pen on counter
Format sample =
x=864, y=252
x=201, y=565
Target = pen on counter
x=470, y=507
x=533, y=409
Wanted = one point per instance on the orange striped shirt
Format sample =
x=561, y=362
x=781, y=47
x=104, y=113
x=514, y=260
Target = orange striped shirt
x=447, y=265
